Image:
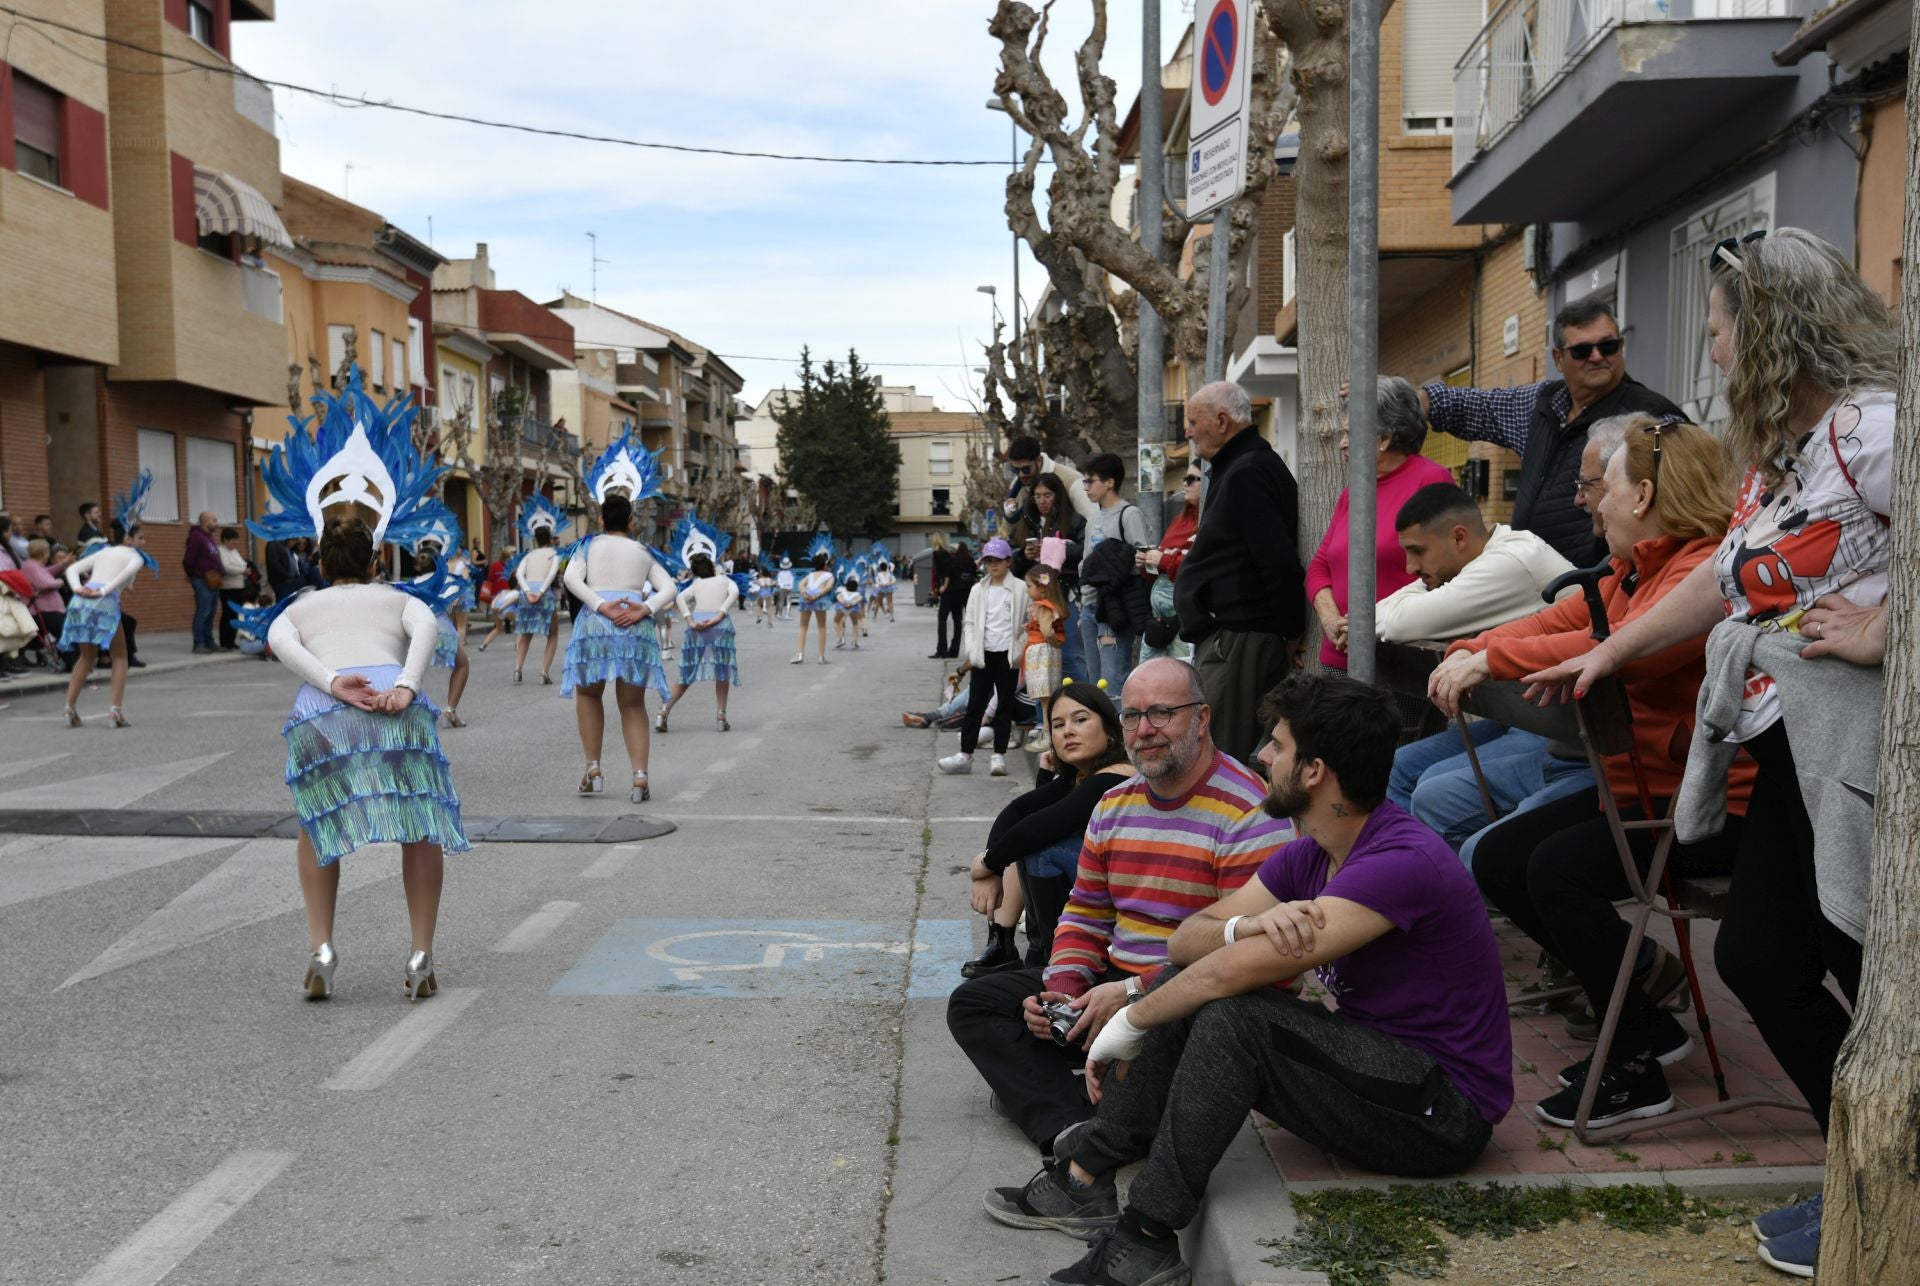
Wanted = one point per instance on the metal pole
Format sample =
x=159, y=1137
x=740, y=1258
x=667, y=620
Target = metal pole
x=1152, y=196
x=1220, y=267
x=1363, y=329
x=1013, y=155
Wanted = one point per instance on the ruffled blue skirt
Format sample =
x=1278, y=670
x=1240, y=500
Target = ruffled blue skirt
x=820, y=605
x=446, y=644
x=535, y=618
x=709, y=655
x=90, y=620
x=361, y=778
x=600, y=650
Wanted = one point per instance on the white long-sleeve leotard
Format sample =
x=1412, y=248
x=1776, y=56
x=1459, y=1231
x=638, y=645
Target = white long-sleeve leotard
x=618, y=563
x=348, y=626
x=709, y=595
x=534, y=575
x=111, y=567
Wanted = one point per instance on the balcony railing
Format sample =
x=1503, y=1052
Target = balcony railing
x=537, y=433
x=260, y=292
x=1528, y=46
x=254, y=101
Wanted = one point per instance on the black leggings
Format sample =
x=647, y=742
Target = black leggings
x=951, y=606
x=1775, y=948
x=996, y=674
x=1556, y=874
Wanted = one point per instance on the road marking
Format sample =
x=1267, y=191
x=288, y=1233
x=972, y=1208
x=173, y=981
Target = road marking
x=610, y=863
x=176, y=1232
x=377, y=1064
x=221, y=714
x=536, y=928
x=747, y=743
x=692, y=794
x=28, y=765
x=720, y=766
x=855, y=959
x=37, y=866
x=116, y=789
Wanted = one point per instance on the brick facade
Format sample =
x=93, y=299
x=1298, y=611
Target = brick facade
x=23, y=436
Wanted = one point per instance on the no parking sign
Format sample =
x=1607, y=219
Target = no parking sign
x=1217, y=155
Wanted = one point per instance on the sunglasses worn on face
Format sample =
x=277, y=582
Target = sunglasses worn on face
x=1192, y=478
x=1581, y=352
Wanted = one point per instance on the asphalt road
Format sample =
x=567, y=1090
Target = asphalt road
x=714, y=1056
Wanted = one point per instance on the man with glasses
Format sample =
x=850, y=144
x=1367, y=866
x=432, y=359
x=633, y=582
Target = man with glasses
x=1547, y=423
x=1185, y=832
x=1026, y=461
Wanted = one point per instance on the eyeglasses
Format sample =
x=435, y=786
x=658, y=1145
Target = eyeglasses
x=1157, y=716
x=1727, y=252
x=1192, y=478
x=1589, y=486
x=1581, y=352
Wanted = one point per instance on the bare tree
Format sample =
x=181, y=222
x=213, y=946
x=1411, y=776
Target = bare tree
x=501, y=473
x=1871, y=1222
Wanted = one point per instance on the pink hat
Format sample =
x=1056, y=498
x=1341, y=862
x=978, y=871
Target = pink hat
x=997, y=548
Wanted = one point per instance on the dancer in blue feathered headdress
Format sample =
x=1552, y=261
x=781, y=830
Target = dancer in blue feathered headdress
x=708, y=652
x=626, y=468
x=881, y=598
x=363, y=752
x=846, y=602
x=535, y=576
x=447, y=587
x=93, y=618
x=814, y=593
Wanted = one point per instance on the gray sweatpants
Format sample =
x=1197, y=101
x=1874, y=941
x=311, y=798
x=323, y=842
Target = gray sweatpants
x=1341, y=1086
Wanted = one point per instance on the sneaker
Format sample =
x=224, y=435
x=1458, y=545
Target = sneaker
x=957, y=762
x=1122, y=1257
x=997, y=766
x=1778, y=1223
x=1794, y=1252
x=1036, y=742
x=1628, y=1091
x=1670, y=1044
x=1049, y=1201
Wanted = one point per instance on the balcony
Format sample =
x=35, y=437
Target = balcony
x=537, y=433
x=1557, y=103
x=253, y=101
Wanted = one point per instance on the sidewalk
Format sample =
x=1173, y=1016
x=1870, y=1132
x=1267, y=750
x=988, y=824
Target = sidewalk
x=163, y=653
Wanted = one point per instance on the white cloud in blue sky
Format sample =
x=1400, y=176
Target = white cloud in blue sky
x=745, y=256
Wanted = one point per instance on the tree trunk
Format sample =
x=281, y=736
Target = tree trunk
x=1316, y=35
x=1871, y=1231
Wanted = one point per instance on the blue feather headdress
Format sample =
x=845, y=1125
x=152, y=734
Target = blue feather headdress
x=438, y=589
x=537, y=512
x=665, y=558
x=844, y=571
x=437, y=525
x=351, y=452
x=127, y=508
x=625, y=466
x=822, y=544
x=691, y=536
x=879, y=554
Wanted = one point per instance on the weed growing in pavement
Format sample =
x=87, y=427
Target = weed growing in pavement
x=1742, y=1157
x=1358, y=1236
x=1622, y=1155
x=1547, y=1144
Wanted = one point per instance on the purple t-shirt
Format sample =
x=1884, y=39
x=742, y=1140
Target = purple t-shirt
x=1433, y=980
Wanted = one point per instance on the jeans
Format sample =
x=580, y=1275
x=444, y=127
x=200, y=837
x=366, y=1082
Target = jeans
x=1520, y=772
x=1116, y=663
x=206, y=602
x=1073, y=663
x=1089, y=630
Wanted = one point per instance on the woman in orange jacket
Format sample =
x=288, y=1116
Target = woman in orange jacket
x=1554, y=870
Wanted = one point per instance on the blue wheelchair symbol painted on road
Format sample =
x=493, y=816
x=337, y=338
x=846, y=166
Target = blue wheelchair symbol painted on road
x=847, y=959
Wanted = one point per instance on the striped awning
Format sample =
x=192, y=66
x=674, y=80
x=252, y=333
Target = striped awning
x=224, y=204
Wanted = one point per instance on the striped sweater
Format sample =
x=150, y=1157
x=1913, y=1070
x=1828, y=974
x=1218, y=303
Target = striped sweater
x=1149, y=863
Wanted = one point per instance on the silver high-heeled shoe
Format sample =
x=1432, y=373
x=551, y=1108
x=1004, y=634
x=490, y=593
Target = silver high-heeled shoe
x=641, y=791
x=420, y=980
x=318, y=984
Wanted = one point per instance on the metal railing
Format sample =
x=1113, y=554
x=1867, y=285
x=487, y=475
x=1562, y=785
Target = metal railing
x=1528, y=46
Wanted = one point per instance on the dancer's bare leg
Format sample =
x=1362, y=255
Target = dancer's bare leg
x=720, y=687
x=319, y=891
x=458, y=683
x=118, y=683
x=423, y=869
x=592, y=716
x=632, y=702
x=521, y=643
x=553, y=643
x=89, y=651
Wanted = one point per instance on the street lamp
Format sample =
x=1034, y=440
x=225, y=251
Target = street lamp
x=993, y=302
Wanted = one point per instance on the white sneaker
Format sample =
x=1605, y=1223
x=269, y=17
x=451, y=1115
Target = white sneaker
x=1036, y=742
x=799, y=658
x=959, y=762
x=997, y=766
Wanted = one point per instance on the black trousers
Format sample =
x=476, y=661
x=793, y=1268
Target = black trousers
x=232, y=601
x=1775, y=948
x=1340, y=1086
x=1553, y=870
x=951, y=606
x=1037, y=1081
x=995, y=676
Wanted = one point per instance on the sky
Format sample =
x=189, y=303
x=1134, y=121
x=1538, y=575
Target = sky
x=750, y=258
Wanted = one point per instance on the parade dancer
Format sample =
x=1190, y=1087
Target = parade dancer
x=502, y=607
x=363, y=757
x=93, y=618
x=763, y=591
x=538, y=570
x=708, y=653
x=815, y=594
x=440, y=532
x=847, y=602
x=783, y=582
x=622, y=588
x=883, y=584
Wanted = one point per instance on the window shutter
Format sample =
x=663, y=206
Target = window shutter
x=36, y=115
x=1433, y=35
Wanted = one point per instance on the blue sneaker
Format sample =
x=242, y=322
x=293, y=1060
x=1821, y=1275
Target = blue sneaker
x=1778, y=1223
x=1794, y=1252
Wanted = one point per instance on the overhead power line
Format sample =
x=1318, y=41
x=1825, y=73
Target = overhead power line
x=361, y=101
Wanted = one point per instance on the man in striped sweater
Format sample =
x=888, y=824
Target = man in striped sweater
x=1171, y=841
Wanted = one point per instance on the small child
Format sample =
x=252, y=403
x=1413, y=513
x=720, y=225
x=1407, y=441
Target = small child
x=847, y=608
x=763, y=594
x=1046, y=636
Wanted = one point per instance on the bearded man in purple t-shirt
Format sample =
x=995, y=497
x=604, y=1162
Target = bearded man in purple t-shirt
x=1408, y=1076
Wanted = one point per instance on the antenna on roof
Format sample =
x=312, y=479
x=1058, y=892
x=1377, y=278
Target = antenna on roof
x=593, y=293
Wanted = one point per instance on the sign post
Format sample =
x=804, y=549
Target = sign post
x=1217, y=154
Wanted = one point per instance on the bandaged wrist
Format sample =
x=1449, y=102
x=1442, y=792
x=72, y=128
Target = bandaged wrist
x=1119, y=1041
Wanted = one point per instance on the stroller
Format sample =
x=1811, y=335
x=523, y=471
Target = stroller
x=21, y=626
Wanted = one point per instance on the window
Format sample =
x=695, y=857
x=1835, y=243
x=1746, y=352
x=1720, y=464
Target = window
x=36, y=129
x=942, y=502
x=399, y=359
x=416, y=351
x=336, y=351
x=200, y=23
x=377, y=355
x=1692, y=379
x=156, y=455
x=217, y=243
x=210, y=480
x=940, y=458
x=1434, y=33
x=1289, y=267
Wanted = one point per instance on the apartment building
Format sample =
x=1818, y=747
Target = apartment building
x=141, y=325
x=934, y=452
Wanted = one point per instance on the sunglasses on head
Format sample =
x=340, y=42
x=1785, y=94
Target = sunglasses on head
x=1728, y=252
x=1581, y=352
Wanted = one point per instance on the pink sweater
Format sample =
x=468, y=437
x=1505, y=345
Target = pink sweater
x=1328, y=570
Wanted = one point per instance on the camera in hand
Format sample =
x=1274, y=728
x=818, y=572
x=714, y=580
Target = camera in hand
x=1061, y=1018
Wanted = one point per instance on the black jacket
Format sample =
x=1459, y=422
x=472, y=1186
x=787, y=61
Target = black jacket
x=1123, y=601
x=1550, y=466
x=1075, y=531
x=279, y=563
x=1244, y=572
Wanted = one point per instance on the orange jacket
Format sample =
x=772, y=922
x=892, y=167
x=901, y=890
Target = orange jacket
x=1661, y=688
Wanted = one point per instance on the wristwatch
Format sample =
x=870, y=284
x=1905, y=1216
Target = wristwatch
x=1133, y=990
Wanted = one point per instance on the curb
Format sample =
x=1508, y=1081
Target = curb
x=47, y=681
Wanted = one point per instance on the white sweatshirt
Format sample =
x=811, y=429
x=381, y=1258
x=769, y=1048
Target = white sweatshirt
x=348, y=626
x=1503, y=584
x=535, y=572
x=709, y=595
x=618, y=563
x=111, y=567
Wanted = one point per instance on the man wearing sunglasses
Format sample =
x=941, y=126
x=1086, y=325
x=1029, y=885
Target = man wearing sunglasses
x=1547, y=423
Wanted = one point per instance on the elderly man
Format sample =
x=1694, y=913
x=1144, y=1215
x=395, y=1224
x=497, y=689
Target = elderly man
x=1241, y=596
x=1410, y=1075
x=205, y=574
x=1187, y=831
x=1547, y=423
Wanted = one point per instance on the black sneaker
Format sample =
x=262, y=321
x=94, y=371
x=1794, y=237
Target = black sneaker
x=1121, y=1257
x=1628, y=1091
x=1050, y=1201
x=1669, y=1043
